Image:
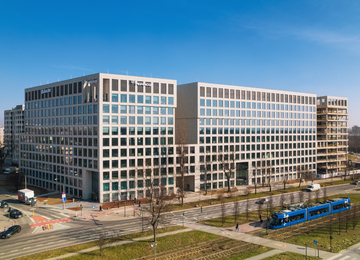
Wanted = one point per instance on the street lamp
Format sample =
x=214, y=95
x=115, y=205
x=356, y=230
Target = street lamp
x=153, y=244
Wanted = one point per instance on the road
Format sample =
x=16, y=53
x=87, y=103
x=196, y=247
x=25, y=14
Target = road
x=80, y=231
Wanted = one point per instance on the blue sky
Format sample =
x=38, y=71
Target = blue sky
x=306, y=46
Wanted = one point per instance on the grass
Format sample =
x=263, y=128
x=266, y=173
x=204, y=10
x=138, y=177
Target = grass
x=254, y=215
x=78, y=247
x=250, y=253
x=289, y=255
x=139, y=249
x=339, y=242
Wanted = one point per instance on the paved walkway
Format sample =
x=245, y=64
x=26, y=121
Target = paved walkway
x=118, y=243
x=226, y=232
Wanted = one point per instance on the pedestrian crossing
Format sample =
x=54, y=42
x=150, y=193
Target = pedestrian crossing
x=56, y=226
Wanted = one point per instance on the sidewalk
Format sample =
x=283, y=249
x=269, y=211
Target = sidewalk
x=226, y=232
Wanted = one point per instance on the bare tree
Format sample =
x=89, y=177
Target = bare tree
x=301, y=196
x=223, y=211
x=282, y=200
x=204, y=169
x=285, y=179
x=247, y=193
x=159, y=203
x=182, y=151
x=14, y=179
x=292, y=198
x=236, y=207
x=269, y=170
x=317, y=195
x=227, y=167
x=325, y=193
x=101, y=242
x=271, y=204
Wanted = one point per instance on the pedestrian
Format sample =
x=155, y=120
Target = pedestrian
x=100, y=208
x=260, y=218
x=237, y=227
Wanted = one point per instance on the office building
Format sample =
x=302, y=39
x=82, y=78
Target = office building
x=13, y=127
x=1, y=137
x=267, y=133
x=98, y=136
x=332, y=134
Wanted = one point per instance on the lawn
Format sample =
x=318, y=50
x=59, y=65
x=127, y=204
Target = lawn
x=78, y=247
x=142, y=248
x=340, y=241
x=289, y=255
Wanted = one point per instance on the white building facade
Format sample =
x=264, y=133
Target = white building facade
x=266, y=133
x=97, y=136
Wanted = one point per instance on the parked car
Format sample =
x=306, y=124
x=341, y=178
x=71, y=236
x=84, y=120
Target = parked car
x=356, y=182
x=264, y=200
x=3, y=204
x=14, y=213
x=313, y=187
x=11, y=231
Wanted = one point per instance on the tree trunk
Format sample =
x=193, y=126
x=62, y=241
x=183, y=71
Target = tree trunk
x=284, y=185
x=300, y=182
x=228, y=180
x=255, y=187
x=270, y=187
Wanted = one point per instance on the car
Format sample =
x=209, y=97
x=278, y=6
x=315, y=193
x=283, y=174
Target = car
x=14, y=213
x=3, y=204
x=356, y=182
x=11, y=231
x=264, y=200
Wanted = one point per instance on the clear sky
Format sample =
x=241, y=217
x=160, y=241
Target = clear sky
x=307, y=46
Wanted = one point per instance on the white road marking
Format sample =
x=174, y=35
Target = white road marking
x=50, y=243
x=26, y=247
x=335, y=256
x=14, y=250
x=345, y=257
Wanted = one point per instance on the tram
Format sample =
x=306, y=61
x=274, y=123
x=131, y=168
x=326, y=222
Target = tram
x=301, y=212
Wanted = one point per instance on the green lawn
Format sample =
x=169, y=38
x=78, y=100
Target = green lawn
x=289, y=255
x=339, y=242
x=75, y=248
x=141, y=249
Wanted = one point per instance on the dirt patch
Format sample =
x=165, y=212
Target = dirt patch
x=52, y=201
x=75, y=208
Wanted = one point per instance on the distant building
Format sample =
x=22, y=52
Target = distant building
x=1, y=137
x=13, y=127
x=332, y=135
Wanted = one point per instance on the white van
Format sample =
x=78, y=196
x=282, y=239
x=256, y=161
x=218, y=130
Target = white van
x=313, y=187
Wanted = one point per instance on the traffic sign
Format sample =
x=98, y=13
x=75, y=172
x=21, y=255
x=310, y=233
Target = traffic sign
x=93, y=207
x=63, y=195
x=63, y=199
x=315, y=242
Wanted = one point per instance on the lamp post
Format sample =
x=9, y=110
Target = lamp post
x=65, y=195
x=267, y=217
x=153, y=244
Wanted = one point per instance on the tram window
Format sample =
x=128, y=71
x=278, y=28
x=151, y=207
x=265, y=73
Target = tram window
x=318, y=212
x=339, y=206
x=275, y=222
x=296, y=217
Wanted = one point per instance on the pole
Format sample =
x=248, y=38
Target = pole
x=183, y=218
x=154, y=251
x=65, y=195
x=25, y=182
x=267, y=217
x=81, y=209
x=125, y=209
x=142, y=220
x=306, y=251
x=134, y=208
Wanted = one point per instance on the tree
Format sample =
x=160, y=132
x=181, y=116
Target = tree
x=301, y=196
x=317, y=195
x=247, y=193
x=14, y=179
x=292, y=198
x=182, y=151
x=269, y=170
x=223, y=211
x=158, y=203
x=205, y=169
x=325, y=193
x=101, y=242
x=236, y=207
x=226, y=167
x=285, y=179
x=282, y=200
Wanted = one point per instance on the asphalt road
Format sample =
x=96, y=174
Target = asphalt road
x=80, y=231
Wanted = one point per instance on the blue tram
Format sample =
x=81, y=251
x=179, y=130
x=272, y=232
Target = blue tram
x=302, y=212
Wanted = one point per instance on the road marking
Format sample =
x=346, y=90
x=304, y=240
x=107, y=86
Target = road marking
x=345, y=257
x=335, y=256
x=284, y=246
x=50, y=243
x=26, y=247
x=14, y=250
